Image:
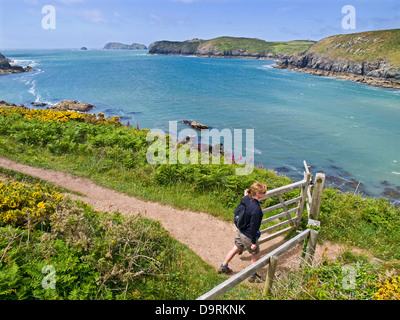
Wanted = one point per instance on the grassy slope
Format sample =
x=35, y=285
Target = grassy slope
x=364, y=46
x=257, y=45
x=221, y=44
x=356, y=221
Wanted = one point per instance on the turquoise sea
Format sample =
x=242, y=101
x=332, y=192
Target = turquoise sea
x=348, y=130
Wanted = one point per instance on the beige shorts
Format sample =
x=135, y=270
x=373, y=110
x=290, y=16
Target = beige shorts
x=244, y=243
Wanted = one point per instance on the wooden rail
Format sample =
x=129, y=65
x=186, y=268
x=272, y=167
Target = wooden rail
x=310, y=196
x=247, y=272
x=297, y=211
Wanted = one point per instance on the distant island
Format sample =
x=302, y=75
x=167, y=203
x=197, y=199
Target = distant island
x=121, y=46
x=371, y=57
x=231, y=47
x=7, y=68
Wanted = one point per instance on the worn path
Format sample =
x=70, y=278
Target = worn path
x=206, y=235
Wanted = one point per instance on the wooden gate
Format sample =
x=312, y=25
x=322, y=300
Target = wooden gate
x=290, y=213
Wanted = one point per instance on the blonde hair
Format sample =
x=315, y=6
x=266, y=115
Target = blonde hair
x=256, y=187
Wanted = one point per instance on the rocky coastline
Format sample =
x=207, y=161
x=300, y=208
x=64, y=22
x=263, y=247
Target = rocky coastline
x=371, y=57
x=7, y=68
x=65, y=105
x=378, y=73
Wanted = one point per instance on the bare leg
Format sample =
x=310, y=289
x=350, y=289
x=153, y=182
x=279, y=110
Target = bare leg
x=231, y=254
x=255, y=257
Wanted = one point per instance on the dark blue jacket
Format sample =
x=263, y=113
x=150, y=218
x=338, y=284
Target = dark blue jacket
x=253, y=218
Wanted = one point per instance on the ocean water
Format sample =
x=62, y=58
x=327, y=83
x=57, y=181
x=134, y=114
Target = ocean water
x=348, y=130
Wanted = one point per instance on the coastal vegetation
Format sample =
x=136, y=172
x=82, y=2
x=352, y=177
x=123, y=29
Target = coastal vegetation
x=371, y=57
x=361, y=47
x=97, y=255
x=39, y=226
x=230, y=46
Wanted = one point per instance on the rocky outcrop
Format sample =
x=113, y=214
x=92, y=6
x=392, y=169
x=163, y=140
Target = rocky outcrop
x=377, y=73
x=7, y=68
x=70, y=105
x=4, y=104
x=195, y=125
x=122, y=46
x=368, y=57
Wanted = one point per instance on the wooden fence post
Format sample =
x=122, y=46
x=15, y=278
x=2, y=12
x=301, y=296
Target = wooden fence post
x=317, y=195
x=311, y=246
x=273, y=261
x=303, y=194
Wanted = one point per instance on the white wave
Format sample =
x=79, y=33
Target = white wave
x=266, y=67
x=24, y=63
x=253, y=151
x=395, y=172
x=32, y=88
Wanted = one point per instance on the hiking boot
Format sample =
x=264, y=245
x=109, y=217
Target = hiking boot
x=256, y=278
x=225, y=270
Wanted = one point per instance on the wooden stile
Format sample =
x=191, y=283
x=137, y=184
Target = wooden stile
x=311, y=199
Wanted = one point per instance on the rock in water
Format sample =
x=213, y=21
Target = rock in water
x=195, y=125
x=70, y=105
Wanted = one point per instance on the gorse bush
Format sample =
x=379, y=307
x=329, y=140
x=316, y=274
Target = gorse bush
x=94, y=255
x=58, y=116
x=107, y=145
x=21, y=204
x=100, y=256
x=389, y=289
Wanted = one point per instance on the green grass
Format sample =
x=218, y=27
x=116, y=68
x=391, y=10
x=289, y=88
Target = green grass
x=114, y=156
x=258, y=46
x=361, y=47
x=27, y=179
x=96, y=256
x=226, y=45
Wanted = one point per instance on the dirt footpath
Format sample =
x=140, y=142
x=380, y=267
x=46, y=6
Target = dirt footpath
x=206, y=235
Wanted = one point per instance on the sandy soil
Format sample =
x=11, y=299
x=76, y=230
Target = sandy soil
x=206, y=235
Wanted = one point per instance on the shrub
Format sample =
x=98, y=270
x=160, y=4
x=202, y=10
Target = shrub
x=20, y=204
x=389, y=289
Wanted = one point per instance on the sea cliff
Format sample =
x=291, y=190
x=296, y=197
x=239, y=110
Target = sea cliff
x=368, y=57
x=230, y=47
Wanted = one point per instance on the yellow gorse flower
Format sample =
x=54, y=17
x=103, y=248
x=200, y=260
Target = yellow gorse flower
x=17, y=201
x=59, y=116
x=390, y=290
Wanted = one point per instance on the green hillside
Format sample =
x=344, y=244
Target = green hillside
x=257, y=46
x=230, y=46
x=360, y=47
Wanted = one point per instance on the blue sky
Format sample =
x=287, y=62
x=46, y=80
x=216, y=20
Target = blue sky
x=92, y=23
